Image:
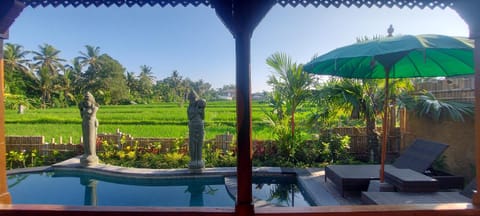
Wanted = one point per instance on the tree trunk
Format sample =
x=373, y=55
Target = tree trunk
x=372, y=139
x=292, y=144
x=293, y=124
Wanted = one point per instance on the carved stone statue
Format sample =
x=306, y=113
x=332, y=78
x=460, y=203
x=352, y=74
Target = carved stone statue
x=88, y=111
x=196, y=115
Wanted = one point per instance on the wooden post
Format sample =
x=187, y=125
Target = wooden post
x=468, y=10
x=9, y=11
x=385, y=128
x=4, y=195
x=244, y=205
x=476, y=195
x=241, y=17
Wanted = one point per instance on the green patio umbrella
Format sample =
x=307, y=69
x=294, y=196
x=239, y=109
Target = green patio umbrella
x=397, y=57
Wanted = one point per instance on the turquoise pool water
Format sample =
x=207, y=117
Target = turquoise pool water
x=74, y=188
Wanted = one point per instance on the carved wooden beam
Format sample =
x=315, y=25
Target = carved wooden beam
x=9, y=11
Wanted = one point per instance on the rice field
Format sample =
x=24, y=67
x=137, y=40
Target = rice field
x=159, y=120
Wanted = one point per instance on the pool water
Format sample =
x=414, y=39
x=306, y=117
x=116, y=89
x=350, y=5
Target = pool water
x=74, y=188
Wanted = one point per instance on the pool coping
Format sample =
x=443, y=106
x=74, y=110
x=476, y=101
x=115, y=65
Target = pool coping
x=310, y=179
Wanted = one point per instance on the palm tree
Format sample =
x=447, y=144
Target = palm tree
x=45, y=83
x=66, y=87
x=15, y=58
x=146, y=79
x=427, y=105
x=90, y=59
x=362, y=98
x=47, y=59
x=146, y=73
x=132, y=83
x=16, y=67
x=293, y=83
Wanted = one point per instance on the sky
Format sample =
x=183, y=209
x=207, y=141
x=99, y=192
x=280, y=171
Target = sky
x=195, y=42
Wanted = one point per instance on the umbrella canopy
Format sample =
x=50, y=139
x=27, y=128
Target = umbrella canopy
x=397, y=57
x=406, y=56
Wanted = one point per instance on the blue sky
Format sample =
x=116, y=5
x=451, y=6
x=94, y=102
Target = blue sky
x=194, y=41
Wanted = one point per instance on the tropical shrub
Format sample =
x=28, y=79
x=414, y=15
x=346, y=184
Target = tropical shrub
x=334, y=148
x=218, y=157
x=31, y=158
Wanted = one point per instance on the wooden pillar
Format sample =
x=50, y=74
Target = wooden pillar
x=241, y=18
x=4, y=195
x=9, y=11
x=468, y=10
x=476, y=196
x=244, y=205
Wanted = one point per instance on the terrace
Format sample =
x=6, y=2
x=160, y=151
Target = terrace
x=241, y=18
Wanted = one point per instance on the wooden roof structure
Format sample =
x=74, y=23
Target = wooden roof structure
x=241, y=17
x=316, y=3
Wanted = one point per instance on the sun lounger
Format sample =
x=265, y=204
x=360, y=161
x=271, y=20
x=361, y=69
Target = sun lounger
x=419, y=156
x=408, y=180
x=396, y=198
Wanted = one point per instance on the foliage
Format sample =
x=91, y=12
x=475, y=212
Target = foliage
x=290, y=84
x=31, y=158
x=12, y=102
x=218, y=157
x=363, y=99
x=44, y=74
x=440, y=163
x=334, y=148
x=149, y=156
x=426, y=105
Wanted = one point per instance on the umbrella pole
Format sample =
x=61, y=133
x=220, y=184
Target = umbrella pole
x=384, y=128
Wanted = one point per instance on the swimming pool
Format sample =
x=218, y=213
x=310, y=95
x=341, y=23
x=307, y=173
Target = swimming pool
x=82, y=188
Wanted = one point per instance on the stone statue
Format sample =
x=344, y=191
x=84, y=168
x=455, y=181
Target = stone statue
x=196, y=115
x=88, y=110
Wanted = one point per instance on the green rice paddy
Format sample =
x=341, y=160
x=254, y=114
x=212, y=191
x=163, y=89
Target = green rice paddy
x=159, y=120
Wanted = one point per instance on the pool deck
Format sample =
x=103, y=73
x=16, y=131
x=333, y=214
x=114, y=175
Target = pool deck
x=310, y=179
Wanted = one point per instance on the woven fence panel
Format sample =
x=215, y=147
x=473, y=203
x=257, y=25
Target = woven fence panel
x=453, y=89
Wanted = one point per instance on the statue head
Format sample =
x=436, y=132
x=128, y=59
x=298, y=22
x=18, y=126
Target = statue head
x=192, y=96
x=88, y=97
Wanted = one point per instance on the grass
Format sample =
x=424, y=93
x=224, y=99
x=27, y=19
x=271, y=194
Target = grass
x=159, y=120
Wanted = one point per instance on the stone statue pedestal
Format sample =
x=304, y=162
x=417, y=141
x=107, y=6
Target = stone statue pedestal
x=88, y=160
x=196, y=166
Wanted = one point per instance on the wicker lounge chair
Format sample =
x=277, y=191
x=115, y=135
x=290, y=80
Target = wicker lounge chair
x=408, y=180
x=419, y=156
x=385, y=198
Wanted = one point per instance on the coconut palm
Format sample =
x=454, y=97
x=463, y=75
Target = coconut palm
x=65, y=86
x=146, y=79
x=47, y=59
x=17, y=72
x=132, y=83
x=45, y=83
x=15, y=58
x=293, y=83
x=93, y=63
x=91, y=59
